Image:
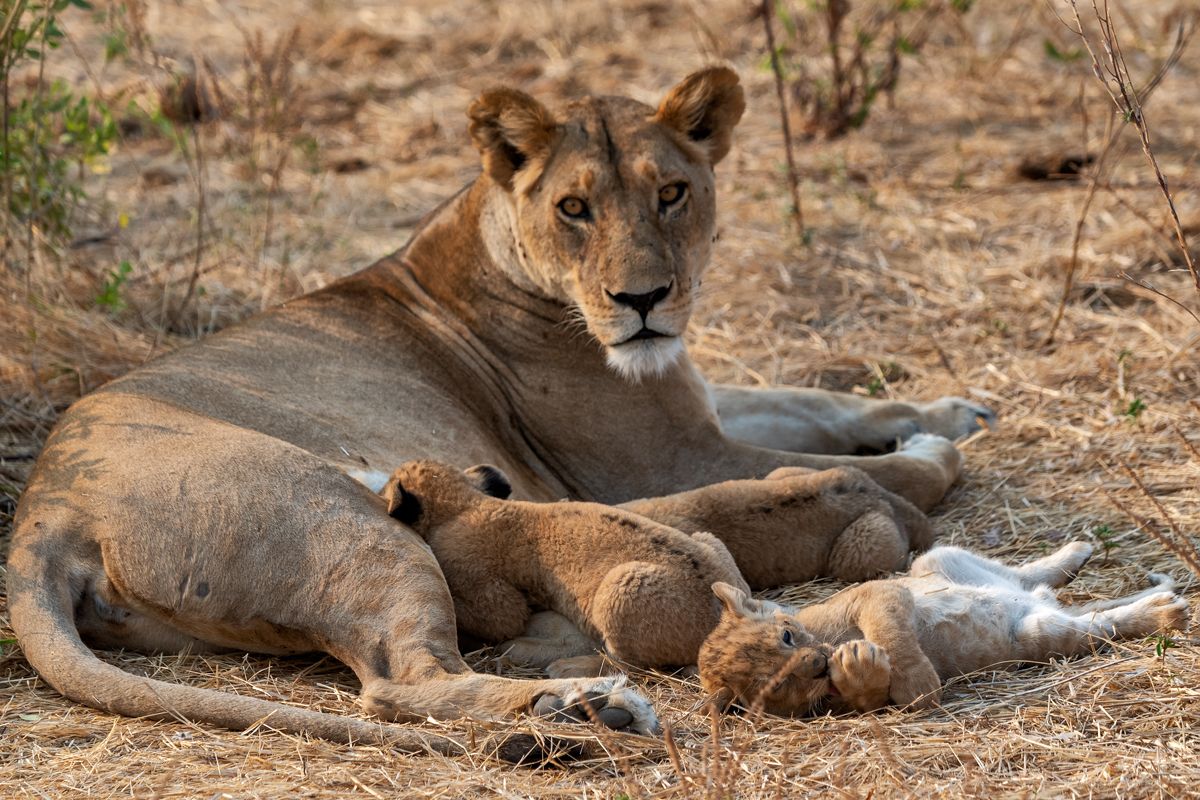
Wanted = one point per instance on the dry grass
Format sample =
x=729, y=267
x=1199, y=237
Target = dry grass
x=933, y=270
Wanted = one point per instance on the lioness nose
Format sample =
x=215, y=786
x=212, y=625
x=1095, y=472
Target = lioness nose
x=641, y=303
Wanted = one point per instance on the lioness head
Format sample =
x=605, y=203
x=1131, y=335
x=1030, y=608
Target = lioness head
x=761, y=657
x=611, y=205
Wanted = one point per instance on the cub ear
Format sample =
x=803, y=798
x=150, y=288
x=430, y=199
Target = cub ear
x=510, y=129
x=489, y=480
x=732, y=598
x=402, y=505
x=704, y=107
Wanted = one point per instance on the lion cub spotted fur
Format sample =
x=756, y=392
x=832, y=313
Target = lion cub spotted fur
x=895, y=640
x=641, y=589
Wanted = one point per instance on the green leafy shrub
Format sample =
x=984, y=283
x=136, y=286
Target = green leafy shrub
x=51, y=133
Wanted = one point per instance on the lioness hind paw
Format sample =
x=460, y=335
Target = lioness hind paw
x=612, y=704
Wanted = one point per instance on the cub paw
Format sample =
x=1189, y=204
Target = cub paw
x=860, y=672
x=1168, y=612
x=953, y=417
x=1075, y=556
x=612, y=704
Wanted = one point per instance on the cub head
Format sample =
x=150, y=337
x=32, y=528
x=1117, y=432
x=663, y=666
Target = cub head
x=422, y=494
x=609, y=205
x=760, y=656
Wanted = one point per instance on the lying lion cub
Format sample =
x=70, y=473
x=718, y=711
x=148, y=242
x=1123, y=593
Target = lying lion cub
x=895, y=640
x=641, y=588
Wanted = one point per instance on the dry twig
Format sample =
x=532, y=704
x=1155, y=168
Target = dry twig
x=797, y=213
x=1111, y=134
x=1113, y=74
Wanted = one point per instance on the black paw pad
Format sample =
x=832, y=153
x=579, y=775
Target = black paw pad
x=552, y=707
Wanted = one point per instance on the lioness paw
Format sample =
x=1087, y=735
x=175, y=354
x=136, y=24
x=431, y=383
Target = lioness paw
x=612, y=703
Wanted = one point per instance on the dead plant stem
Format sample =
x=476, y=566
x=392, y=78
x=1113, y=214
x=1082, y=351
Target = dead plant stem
x=797, y=212
x=1113, y=73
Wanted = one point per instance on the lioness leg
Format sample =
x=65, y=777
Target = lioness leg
x=819, y=421
x=266, y=569
x=799, y=524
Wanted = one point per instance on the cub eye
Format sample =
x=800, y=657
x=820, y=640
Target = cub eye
x=670, y=195
x=788, y=639
x=574, y=208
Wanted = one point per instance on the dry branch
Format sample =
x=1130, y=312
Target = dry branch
x=1111, y=134
x=797, y=213
x=1113, y=73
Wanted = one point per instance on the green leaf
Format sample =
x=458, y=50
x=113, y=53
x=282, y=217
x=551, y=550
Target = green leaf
x=1062, y=56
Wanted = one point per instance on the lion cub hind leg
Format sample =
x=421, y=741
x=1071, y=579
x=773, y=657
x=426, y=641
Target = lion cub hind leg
x=1050, y=631
x=868, y=546
x=652, y=615
x=549, y=637
x=589, y=666
x=492, y=610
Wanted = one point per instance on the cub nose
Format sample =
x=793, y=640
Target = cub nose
x=641, y=303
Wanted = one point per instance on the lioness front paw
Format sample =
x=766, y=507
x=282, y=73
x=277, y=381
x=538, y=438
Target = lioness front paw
x=612, y=703
x=953, y=417
x=860, y=673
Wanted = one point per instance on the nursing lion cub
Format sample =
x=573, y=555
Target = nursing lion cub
x=614, y=579
x=896, y=640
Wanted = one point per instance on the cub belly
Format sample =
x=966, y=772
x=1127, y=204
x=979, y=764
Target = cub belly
x=967, y=628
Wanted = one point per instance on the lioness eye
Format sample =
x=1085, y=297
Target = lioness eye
x=670, y=195
x=574, y=208
x=788, y=639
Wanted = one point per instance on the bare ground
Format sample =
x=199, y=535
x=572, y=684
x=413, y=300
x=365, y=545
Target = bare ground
x=933, y=269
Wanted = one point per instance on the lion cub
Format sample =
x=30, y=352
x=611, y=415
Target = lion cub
x=895, y=640
x=640, y=588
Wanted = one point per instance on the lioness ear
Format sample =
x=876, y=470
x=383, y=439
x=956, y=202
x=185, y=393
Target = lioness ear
x=705, y=107
x=401, y=505
x=489, y=480
x=510, y=129
x=733, y=598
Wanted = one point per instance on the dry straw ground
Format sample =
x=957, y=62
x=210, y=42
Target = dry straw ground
x=934, y=269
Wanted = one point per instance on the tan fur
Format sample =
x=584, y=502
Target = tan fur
x=896, y=640
x=202, y=500
x=639, y=589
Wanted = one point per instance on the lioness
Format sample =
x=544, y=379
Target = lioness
x=202, y=501
x=895, y=640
